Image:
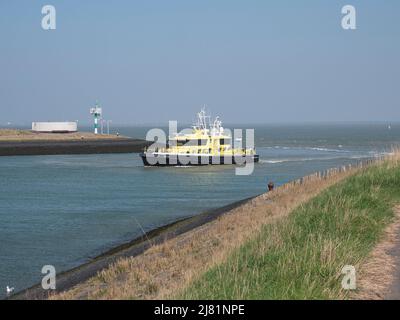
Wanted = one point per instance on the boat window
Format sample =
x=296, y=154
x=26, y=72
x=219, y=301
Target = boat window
x=191, y=142
x=202, y=142
x=181, y=143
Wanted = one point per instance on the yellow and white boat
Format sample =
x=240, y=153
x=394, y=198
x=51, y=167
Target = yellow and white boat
x=207, y=144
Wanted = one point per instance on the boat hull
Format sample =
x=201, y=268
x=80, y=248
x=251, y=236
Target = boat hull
x=150, y=160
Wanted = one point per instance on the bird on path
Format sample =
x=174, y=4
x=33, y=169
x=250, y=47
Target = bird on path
x=9, y=290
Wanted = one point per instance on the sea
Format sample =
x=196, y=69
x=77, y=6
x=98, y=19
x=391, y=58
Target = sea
x=64, y=210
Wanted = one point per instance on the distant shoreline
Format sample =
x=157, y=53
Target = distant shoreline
x=27, y=143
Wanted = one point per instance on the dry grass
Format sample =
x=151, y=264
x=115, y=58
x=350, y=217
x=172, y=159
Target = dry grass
x=377, y=272
x=26, y=135
x=302, y=255
x=164, y=270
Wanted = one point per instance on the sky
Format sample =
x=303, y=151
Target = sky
x=150, y=61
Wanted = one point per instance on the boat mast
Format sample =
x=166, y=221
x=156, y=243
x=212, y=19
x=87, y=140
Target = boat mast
x=202, y=120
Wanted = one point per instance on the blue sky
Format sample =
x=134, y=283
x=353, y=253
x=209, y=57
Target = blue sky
x=152, y=61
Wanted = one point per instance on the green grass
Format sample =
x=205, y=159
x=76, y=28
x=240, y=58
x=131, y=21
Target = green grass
x=301, y=256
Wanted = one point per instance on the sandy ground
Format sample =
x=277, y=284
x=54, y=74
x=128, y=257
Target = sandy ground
x=14, y=135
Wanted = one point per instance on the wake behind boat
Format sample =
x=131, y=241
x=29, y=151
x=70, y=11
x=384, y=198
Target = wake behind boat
x=207, y=144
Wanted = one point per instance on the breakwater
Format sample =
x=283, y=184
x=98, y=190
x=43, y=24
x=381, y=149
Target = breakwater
x=54, y=147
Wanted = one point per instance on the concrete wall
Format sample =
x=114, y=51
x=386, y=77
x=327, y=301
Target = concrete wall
x=54, y=126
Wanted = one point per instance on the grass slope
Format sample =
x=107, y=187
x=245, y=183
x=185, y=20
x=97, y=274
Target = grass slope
x=301, y=256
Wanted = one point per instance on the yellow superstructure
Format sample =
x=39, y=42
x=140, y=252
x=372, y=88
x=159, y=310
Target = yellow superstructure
x=201, y=142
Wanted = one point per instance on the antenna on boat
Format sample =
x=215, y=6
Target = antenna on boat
x=217, y=128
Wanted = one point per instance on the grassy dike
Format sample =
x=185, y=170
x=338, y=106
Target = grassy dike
x=287, y=244
x=301, y=255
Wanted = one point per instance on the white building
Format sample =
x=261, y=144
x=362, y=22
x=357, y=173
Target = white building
x=55, y=127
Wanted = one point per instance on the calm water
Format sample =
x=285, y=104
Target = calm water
x=62, y=210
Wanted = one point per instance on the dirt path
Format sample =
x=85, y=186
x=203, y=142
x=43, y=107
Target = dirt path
x=393, y=292
x=379, y=275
